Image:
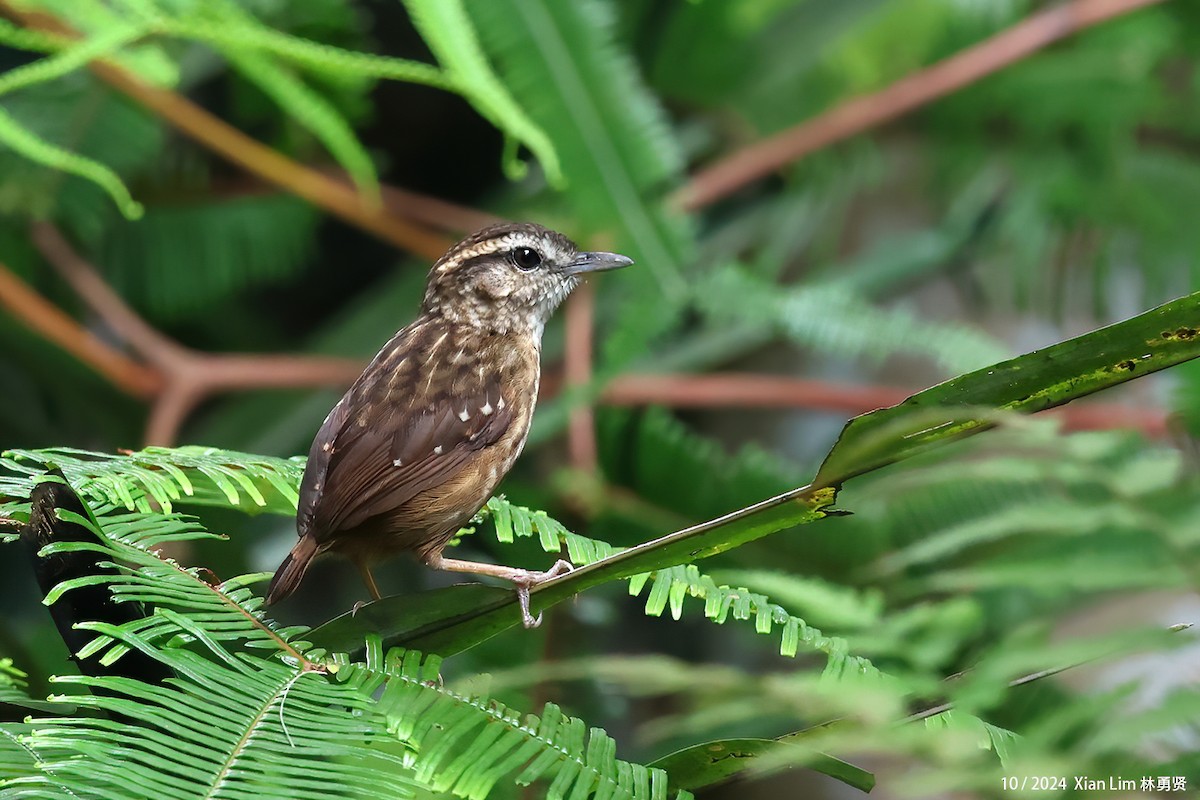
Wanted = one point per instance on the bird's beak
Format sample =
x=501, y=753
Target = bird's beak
x=595, y=262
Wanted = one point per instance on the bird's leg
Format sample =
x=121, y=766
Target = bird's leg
x=524, y=579
x=368, y=578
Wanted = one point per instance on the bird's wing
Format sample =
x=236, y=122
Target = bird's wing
x=374, y=454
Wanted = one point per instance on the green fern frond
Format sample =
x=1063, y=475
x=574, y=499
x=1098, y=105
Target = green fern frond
x=316, y=57
x=1025, y=499
x=14, y=692
x=157, y=477
x=17, y=759
x=314, y=113
x=511, y=521
x=828, y=603
x=990, y=737
x=447, y=30
x=18, y=38
x=277, y=732
x=674, y=585
x=306, y=106
x=668, y=463
x=835, y=321
x=179, y=259
x=1053, y=517
x=291, y=723
x=223, y=613
x=65, y=61
x=71, y=58
x=27, y=144
x=467, y=744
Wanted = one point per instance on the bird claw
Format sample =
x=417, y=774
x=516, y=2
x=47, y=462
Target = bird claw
x=357, y=605
x=561, y=567
x=532, y=579
x=527, y=619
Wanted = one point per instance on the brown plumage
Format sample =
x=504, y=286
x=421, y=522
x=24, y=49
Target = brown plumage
x=420, y=441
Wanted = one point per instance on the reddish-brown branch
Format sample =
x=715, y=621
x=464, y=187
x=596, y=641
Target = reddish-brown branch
x=741, y=390
x=854, y=116
x=577, y=369
x=729, y=390
x=438, y=214
x=107, y=304
x=174, y=377
x=44, y=318
x=236, y=147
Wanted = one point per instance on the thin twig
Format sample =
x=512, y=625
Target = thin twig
x=854, y=116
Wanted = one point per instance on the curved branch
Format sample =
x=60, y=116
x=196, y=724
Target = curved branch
x=99, y=296
x=174, y=377
x=859, y=114
x=46, y=319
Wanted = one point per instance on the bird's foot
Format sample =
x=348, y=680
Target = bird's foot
x=530, y=579
x=357, y=605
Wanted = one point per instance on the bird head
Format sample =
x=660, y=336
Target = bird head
x=510, y=276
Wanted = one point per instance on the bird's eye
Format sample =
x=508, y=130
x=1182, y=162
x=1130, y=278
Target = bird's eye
x=526, y=258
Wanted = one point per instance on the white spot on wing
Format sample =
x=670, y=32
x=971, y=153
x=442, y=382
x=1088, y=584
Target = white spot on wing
x=398, y=463
x=437, y=451
x=487, y=408
x=500, y=403
x=464, y=415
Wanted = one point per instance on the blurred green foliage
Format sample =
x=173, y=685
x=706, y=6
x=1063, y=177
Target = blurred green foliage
x=1047, y=199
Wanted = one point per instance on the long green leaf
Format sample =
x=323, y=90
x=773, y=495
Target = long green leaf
x=401, y=620
x=447, y=30
x=29, y=145
x=713, y=762
x=484, y=616
x=315, y=56
x=159, y=477
x=1157, y=339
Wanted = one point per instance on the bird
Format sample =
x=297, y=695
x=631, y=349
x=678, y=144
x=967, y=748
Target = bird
x=421, y=439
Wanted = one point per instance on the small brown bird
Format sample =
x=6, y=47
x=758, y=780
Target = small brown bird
x=418, y=444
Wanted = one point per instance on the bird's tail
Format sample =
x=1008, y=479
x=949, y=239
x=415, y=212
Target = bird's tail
x=291, y=571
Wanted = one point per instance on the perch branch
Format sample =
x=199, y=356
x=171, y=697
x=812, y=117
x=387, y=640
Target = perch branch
x=755, y=161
